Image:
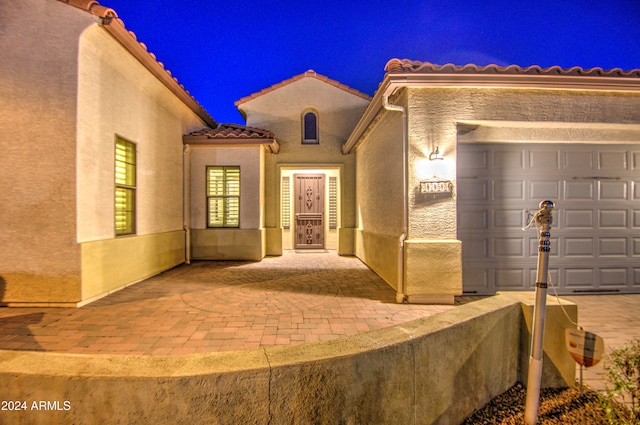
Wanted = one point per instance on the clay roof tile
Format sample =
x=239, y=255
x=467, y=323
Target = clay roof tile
x=129, y=39
x=401, y=66
x=233, y=132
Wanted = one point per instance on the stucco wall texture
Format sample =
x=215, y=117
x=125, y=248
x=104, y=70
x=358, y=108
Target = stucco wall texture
x=68, y=89
x=435, y=112
x=117, y=96
x=433, y=117
x=281, y=112
x=38, y=108
x=435, y=370
x=247, y=241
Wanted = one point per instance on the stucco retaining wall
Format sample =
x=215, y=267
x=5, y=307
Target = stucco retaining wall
x=435, y=370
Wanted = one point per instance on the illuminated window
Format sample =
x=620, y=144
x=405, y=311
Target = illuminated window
x=223, y=196
x=310, y=128
x=125, y=196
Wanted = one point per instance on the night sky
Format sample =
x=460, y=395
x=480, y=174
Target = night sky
x=222, y=51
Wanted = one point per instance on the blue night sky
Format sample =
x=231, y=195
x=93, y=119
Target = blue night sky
x=222, y=51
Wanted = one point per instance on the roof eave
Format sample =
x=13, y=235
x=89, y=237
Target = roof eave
x=269, y=144
x=116, y=28
x=394, y=81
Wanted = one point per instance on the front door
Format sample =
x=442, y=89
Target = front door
x=309, y=210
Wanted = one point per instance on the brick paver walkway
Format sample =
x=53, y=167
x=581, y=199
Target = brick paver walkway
x=219, y=306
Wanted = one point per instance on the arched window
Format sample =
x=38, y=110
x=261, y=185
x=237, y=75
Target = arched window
x=310, y=133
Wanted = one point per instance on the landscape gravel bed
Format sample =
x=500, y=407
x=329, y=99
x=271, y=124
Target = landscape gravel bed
x=557, y=406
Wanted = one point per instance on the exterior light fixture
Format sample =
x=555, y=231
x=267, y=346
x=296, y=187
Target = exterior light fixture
x=435, y=155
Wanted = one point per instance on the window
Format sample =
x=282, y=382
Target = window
x=310, y=127
x=125, y=196
x=223, y=196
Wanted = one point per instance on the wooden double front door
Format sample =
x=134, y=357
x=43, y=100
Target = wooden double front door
x=309, y=210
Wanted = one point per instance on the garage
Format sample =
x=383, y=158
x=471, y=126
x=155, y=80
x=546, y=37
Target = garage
x=595, y=235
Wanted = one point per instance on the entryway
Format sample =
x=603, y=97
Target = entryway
x=310, y=207
x=309, y=211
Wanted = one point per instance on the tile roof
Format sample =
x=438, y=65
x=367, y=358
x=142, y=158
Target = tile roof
x=308, y=74
x=400, y=66
x=92, y=7
x=234, y=131
x=233, y=134
x=115, y=26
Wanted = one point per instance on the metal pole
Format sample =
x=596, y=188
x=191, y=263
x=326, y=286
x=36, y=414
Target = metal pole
x=543, y=219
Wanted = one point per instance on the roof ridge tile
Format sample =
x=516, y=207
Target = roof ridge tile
x=401, y=66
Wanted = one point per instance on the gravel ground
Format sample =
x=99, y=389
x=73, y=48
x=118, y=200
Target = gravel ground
x=557, y=406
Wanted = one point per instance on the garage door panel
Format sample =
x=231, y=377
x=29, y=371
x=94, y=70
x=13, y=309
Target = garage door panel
x=578, y=219
x=474, y=191
x=473, y=160
x=595, y=235
x=469, y=220
x=612, y=191
x=544, y=190
x=612, y=247
x=544, y=160
x=578, y=160
x=636, y=247
x=508, y=190
x=508, y=219
x=513, y=279
x=613, y=277
x=507, y=158
x=578, y=247
x=579, y=278
x=612, y=160
x=474, y=249
x=612, y=219
x=508, y=247
x=476, y=279
x=579, y=190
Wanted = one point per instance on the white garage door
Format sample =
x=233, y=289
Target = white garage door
x=595, y=235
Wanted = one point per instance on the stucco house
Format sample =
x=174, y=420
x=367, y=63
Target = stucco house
x=91, y=174
x=452, y=161
x=112, y=172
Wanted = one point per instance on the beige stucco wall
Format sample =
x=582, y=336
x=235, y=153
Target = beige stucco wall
x=245, y=242
x=435, y=112
x=110, y=264
x=379, y=197
x=432, y=257
x=118, y=96
x=39, y=256
x=280, y=111
x=435, y=370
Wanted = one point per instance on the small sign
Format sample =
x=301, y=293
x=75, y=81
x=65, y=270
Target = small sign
x=585, y=348
x=435, y=185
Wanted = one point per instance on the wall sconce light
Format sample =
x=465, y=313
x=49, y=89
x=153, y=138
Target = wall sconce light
x=435, y=155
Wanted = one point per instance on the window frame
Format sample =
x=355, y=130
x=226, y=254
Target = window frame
x=127, y=185
x=227, y=223
x=316, y=115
